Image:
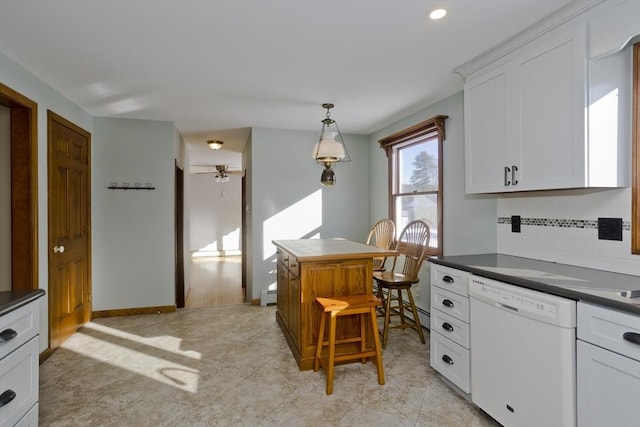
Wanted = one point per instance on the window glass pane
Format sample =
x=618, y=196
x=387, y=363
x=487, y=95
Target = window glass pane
x=423, y=207
x=418, y=165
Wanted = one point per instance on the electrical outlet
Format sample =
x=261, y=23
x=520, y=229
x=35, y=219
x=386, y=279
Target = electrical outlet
x=515, y=223
x=610, y=229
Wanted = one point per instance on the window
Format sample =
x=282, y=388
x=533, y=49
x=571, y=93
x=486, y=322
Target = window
x=635, y=197
x=415, y=177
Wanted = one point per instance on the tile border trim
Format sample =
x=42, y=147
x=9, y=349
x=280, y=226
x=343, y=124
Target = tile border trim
x=560, y=223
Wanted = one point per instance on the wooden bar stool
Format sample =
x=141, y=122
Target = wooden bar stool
x=335, y=307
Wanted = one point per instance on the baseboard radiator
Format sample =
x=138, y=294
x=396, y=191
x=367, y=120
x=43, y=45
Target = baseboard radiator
x=268, y=298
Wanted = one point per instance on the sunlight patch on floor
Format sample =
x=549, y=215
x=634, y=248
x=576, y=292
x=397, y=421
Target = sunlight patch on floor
x=137, y=360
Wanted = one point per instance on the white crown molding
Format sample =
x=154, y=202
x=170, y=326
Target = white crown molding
x=564, y=15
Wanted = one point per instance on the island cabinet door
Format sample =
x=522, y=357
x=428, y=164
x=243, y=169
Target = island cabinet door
x=294, y=309
x=282, y=301
x=326, y=279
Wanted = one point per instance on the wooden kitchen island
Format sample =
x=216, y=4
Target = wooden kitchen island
x=310, y=268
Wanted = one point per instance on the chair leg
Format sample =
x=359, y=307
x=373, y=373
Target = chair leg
x=401, y=306
x=376, y=340
x=332, y=352
x=415, y=316
x=316, y=363
x=380, y=295
x=387, y=314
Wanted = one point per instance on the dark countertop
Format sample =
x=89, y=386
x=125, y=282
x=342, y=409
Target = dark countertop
x=577, y=283
x=11, y=300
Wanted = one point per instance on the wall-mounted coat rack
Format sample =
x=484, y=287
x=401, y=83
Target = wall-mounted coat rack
x=126, y=186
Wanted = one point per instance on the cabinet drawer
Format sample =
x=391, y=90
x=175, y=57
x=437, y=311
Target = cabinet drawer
x=19, y=373
x=450, y=279
x=289, y=261
x=30, y=419
x=454, y=329
x=608, y=328
x=451, y=360
x=450, y=303
x=24, y=322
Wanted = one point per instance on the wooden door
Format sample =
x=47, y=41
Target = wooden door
x=69, y=229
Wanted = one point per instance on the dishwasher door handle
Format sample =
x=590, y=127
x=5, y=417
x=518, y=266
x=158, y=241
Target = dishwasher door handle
x=506, y=307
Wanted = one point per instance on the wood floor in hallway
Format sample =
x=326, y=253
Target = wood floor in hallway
x=215, y=281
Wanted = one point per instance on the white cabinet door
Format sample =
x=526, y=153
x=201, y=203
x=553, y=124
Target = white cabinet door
x=524, y=121
x=608, y=387
x=487, y=136
x=552, y=96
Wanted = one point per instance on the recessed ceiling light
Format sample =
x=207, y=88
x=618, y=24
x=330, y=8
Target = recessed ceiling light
x=437, y=14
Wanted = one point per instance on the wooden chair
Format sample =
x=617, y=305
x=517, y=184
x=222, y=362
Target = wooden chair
x=334, y=307
x=412, y=246
x=381, y=236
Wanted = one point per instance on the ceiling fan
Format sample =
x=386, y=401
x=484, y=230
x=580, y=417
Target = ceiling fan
x=222, y=172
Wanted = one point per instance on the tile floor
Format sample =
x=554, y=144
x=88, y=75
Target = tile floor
x=231, y=366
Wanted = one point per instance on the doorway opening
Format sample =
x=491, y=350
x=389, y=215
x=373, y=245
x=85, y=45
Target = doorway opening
x=216, y=237
x=19, y=191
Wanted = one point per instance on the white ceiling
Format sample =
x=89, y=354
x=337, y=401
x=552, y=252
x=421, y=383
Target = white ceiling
x=218, y=67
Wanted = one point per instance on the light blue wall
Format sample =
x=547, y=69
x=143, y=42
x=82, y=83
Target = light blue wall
x=27, y=84
x=288, y=202
x=133, y=231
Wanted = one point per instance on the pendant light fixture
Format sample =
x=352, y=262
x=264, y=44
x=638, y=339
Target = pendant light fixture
x=221, y=174
x=330, y=148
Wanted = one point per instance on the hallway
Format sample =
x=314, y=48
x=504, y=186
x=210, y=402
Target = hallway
x=215, y=281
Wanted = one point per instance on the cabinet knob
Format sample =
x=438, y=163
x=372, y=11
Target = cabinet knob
x=447, y=327
x=7, y=397
x=632, y=337
x=7, y=335
x=58, y=249
x=448, y=279
x=447, y=359
x=448, y=303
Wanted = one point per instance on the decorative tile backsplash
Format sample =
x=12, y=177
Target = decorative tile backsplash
x=563, y=223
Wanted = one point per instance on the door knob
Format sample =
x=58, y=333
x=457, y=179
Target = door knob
x=58, y=249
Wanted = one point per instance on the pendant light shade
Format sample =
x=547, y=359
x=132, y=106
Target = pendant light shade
x=330, y=148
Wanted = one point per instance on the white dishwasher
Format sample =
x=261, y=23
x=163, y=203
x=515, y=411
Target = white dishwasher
x=523, y=355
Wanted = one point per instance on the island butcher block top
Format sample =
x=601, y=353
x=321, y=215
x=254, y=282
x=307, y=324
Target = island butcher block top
x=330, y=249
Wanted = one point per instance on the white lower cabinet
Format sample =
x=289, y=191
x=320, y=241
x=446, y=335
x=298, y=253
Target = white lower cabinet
x=449, y=337
x=19, y=361
x=608, y=367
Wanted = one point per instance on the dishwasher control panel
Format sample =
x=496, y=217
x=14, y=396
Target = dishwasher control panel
x=525, y=302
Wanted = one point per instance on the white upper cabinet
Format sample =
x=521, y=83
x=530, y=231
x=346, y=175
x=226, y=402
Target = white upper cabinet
x=487, y=139
x=533, y=121
x=549, y=116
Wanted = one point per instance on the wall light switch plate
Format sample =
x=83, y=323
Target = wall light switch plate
x=610, y=229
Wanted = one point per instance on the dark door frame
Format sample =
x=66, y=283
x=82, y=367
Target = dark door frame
x=24, y=188
x=179, y=235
